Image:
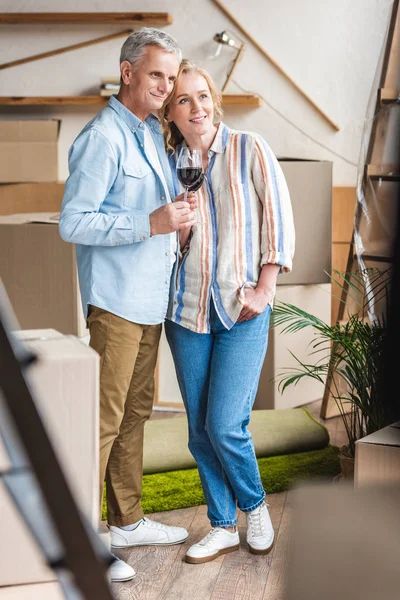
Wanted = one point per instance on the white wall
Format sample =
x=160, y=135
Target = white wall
x=329, y=47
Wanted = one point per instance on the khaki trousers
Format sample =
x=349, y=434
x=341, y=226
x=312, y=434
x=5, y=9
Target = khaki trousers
x=128, y=355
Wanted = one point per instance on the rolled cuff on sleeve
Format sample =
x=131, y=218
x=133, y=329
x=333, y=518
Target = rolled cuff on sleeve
x=277, y=258
x=141, y=228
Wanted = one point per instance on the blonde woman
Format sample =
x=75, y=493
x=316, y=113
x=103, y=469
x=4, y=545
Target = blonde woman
x=223, y=290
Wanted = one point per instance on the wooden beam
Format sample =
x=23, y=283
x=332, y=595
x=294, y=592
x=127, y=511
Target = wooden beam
x=90, y=18
x=275, y=64
x=228, y=100
x=105, y=38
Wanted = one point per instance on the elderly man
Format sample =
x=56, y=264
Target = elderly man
x=117, y=209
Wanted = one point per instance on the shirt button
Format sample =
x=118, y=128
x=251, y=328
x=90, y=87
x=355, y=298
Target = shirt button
x=142, y=239
x=162, y=197
x=166, y=282
x=167, y=254
x=140, y=124
x=141, y=145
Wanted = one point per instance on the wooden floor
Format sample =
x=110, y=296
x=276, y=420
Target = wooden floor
x=161, y=573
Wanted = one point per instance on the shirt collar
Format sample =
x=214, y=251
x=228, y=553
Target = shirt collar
x=221, y=137
x=130, y=119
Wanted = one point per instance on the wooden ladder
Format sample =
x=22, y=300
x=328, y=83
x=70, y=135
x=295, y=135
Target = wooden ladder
x=370, y=246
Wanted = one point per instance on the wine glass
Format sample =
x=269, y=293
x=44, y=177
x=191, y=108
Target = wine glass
x=189, y=169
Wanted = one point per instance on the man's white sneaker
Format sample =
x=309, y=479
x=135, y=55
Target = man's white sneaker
x=121, y=571
x=218, y=541
x=260, y=533
x=147, y=533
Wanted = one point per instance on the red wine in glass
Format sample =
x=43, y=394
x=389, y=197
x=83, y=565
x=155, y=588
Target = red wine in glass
x=188, y=176
x=189, y=169
x=197, y=185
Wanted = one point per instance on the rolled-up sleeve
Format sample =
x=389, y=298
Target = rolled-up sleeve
x=277, y=230
x=93, y=169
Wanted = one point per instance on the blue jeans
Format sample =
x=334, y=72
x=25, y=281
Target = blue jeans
x=218, y=375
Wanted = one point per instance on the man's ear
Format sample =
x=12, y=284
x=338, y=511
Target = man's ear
x=126, y=70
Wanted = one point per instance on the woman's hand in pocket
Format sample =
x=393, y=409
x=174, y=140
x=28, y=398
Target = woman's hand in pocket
x=255, y=302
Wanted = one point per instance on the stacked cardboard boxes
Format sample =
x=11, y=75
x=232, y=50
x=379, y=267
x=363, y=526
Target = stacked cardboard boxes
x=39, y=273
x=65, y=385
x=28, y=151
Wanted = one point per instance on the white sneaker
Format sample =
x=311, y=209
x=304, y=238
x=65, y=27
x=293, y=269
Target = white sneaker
x=218, y=541
x=147, y=533
x=260, y=533
x=120, y=571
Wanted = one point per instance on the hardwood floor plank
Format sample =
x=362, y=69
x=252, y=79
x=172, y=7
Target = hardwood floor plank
x=275, y=586
x=153, y=564
x=243, y=575
x=192, y=582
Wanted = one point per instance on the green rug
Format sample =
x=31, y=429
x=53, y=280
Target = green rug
x=181, y=489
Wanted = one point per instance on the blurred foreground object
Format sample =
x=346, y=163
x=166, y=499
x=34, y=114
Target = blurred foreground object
x=345, y=543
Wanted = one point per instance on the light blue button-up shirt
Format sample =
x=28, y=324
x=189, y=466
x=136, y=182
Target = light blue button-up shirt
x=110, y=192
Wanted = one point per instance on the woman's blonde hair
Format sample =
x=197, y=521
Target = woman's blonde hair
x=172, y=135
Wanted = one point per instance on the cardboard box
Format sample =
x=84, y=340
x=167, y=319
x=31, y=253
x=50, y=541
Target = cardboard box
x=310, y=187
x=315, y=299
x=29, y=150
x=41, y=591
x=30, y=197
x=65, y=384
x=377, y=458
x=39, y=273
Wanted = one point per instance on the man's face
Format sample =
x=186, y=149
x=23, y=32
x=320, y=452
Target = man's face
x=150, y=81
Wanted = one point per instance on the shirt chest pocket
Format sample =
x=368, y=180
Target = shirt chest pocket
x=138, y=185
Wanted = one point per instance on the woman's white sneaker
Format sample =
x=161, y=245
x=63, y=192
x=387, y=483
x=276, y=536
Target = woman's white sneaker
x=120, y=571
x=218, y=541
x=147, y=533
x=260, y=533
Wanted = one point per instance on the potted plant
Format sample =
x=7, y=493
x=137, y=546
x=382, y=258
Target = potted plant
x=347, y=356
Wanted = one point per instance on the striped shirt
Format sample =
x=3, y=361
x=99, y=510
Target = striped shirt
x=245, y=221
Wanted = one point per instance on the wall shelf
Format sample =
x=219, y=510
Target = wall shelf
x=227, y=99
x=384, y=172
x=387, y=95
x=115, y=18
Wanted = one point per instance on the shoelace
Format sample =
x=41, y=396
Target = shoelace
x=256, y=523
x=154, y=524
x=210, y=537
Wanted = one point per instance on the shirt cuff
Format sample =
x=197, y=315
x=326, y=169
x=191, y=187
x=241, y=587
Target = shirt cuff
x=141, y=228
x=277, y=258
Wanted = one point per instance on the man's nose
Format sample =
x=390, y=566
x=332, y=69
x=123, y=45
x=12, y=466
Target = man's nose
x=166, y=85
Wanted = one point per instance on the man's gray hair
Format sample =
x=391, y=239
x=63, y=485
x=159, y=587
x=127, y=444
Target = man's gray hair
x=135, y=45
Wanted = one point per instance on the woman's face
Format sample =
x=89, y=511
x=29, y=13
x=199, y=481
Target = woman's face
x=191, y=107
